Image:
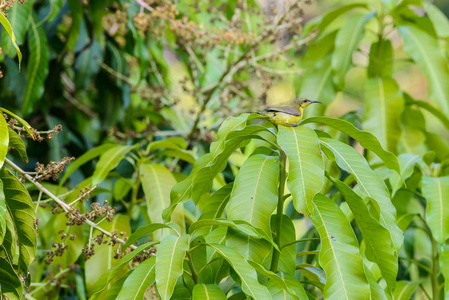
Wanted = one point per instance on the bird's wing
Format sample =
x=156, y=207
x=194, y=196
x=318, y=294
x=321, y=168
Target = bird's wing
x=284, y=109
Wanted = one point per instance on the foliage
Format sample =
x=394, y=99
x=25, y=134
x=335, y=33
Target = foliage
x=203, y=198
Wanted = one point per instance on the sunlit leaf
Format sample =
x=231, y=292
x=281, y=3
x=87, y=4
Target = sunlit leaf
x=216, y=204
x=18, y=16
x=339, y=253
x=404, y=290
x=380, y=59
x=207, y=291
x=4, y=140
x=108, y=161
x=140, y=279
x=7, y=26
x=436, y=192
x=438, y=18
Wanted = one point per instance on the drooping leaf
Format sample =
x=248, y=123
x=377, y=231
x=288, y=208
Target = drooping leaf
x=370, y=184
x=366, y=139
x=25, y=124
x=245, y=271
x=21, y=210
x=306, y=167
x=108, y=161
x=255, y=192
x=38, y=62
x=383, y=107
x=140, y=279
x=10, y=281
x=17, y=143
x=377, y=239
x=425, y=51
x=404, y=290
x=7, y=26
x=436, y=192
x=346, y=43
x=4, y=140
x=208, y=291
x=157, y=181
x=339, y=255
x=169, y=263
x=18, y=16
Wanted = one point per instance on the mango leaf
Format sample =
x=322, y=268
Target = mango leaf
x=169, y=263
x=157, y=182
x=76, y=11
x=116, y=287
x=21, y=210
x=407, y=162
x=339, y=253
x=306, y=167
x=255, y=192
x=108, y=161
x=366, y=139
x=437, y=113
x=381, y=59
x=404, y=290
x=3, y=212
x=425, y=51
x=18, y=16
x=215, y=205
x=10, y=281
x=443, y=252
x=17, y=143
x=38, y=62
x=147, y=229
x=7, y=26
x=110, y=274
x=383, y=108
x=287, y=258
x=138, y=282
x=169, y=143
x=25, y=124
x=4, y=140
x=208, y=291
x=377, y=292
x=56, y=6
x=436, y=191
x=370, y=184
x=379, y=247
x=250, y=286
x=438, y=18
x=346, y=42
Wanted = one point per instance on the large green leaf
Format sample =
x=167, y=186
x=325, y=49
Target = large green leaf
x=17, y=143
x=21, y=210
x=287, y=258
x=366, y=139
x=438, y=18
x=404, y=290
x=250, y=286
x=380, y=59
x=377, y=239
x=215, y=205
x=436, y=192
x=339, y=253
x=138, y=282
x=38, y=62
x=425, y=51
x=18, y=16
x=249, y=246
x=4, y=140
x=7, y=26
x=108, y=161
x=255, y=192
x=157, y=182
x=11, y=285
x=346, y=43
x=306, y=167
x=169, y=263
x=208, y=291
x=370, y=184
x=383, y=108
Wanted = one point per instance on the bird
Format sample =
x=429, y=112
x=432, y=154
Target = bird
x=289, y=115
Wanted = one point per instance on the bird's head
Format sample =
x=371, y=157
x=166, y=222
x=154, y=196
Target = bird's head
x=301, y=103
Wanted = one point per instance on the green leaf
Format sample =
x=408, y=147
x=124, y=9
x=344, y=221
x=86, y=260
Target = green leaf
x=208, y=291
x=25, y=124
x=436, y=192
x=215, y=205
x=138, y=282
x=115, y=288
x=438, y=18
x=255, y=192
x=437, y=113
x=18, y=16
x=250, y=286
x=425, y=51
x=339, y=253
x=369, y=183
x=169, y=263
x=443, y=252
x=346, y=42
x=108, y=161
x=287, y=258
x=377, y=239
x=9, y=280
x=38, y=62
x=407, y=162
x=377, y=292
x=3, y=212
x=169, y=143
x=89, y=155
x=147, y=229
x=56, y=6
x=383, y=108
x=157, y=182
x=76, y=11
x=4, y=140
x=306, y=167
x=7, y=26
x=381, y=59
x=17, y=143
x=366, y=139
x=21, y=210
x=404, y=290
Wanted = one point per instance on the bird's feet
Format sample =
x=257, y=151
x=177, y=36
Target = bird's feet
x=292, y=125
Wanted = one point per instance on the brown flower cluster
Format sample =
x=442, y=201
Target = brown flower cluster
x=76, y=218
x=36, y=135
x=45, y=172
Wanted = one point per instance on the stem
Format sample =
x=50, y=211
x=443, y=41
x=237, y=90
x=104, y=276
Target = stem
x=192, y=268
x=435, y=287
x=279, y=212
x=61, y=203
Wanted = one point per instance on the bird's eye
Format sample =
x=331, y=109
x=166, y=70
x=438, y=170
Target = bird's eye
x=305, y=101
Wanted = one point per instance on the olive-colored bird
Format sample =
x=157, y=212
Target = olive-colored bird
x=289, y=115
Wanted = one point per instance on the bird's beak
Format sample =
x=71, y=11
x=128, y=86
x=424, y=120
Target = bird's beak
x=315, y=101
